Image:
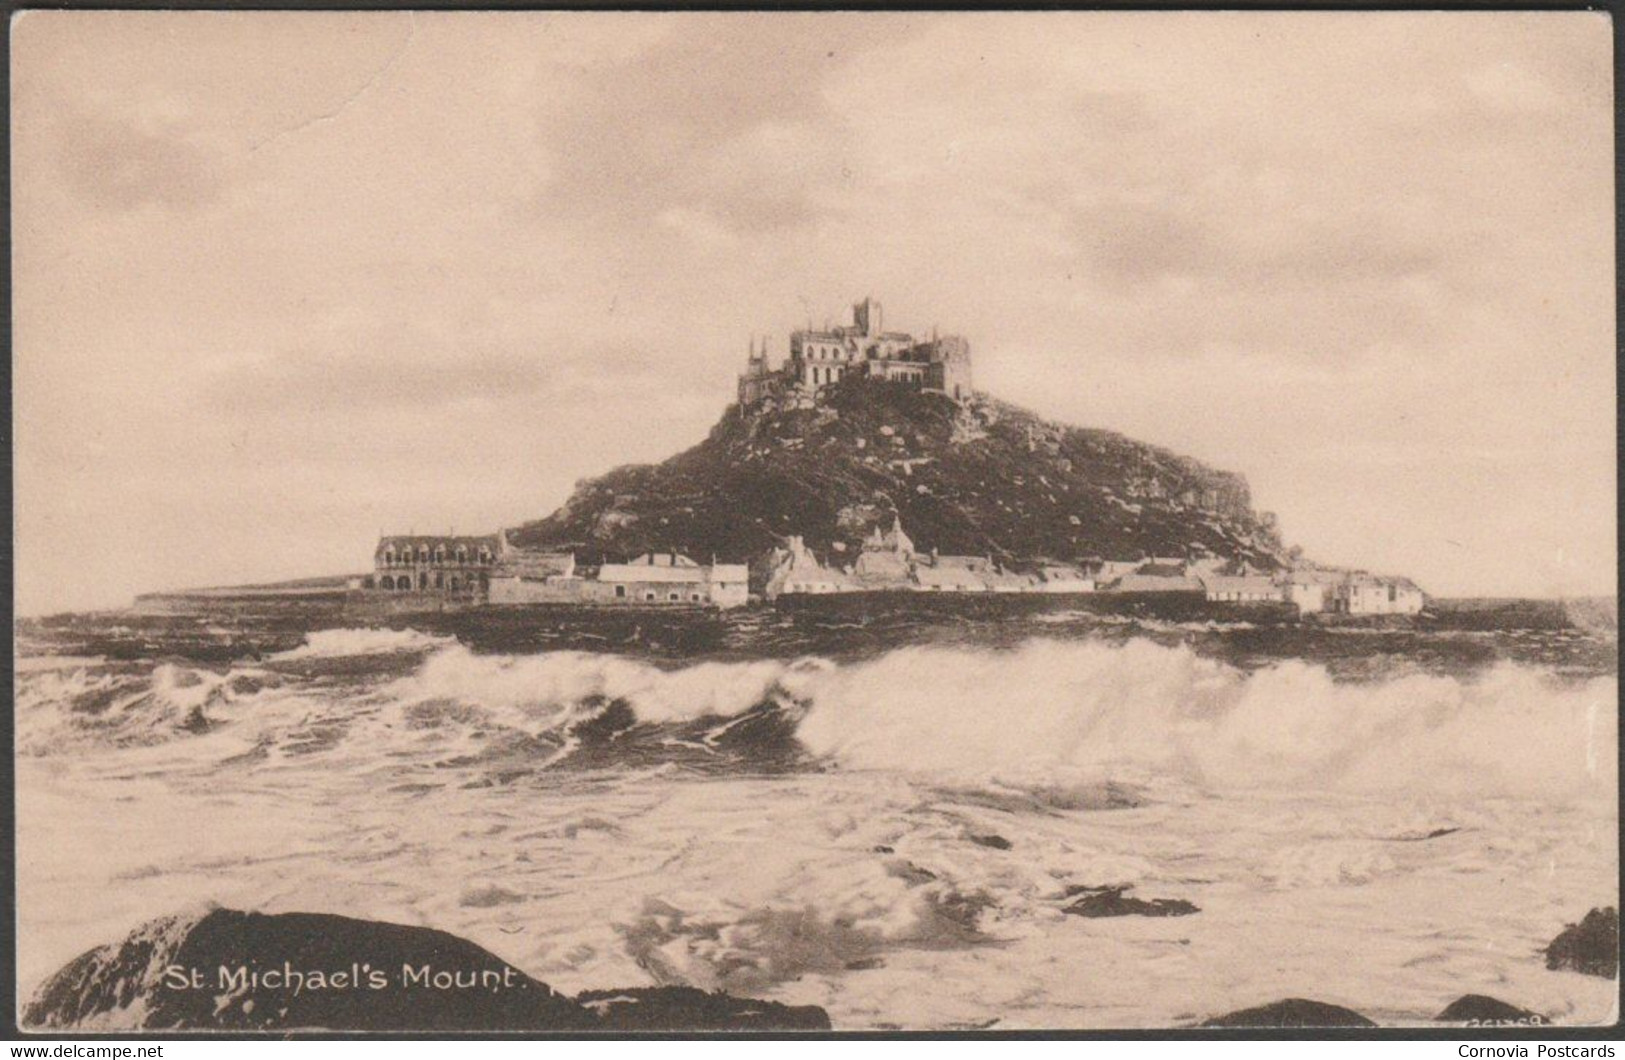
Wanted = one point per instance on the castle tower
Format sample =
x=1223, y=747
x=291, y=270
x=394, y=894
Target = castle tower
x=866, y=315
x=756, y=381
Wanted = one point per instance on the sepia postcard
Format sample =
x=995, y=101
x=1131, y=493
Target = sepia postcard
x=608, y=523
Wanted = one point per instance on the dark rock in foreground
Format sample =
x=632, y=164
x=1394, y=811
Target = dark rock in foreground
x=230, y=970
x=1293, y=1012
x=1476, y=1008
x=1590, y=947
x=658, y=1008
x=296, y=970
x=1111, y=901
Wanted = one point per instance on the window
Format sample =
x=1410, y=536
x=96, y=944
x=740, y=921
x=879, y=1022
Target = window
x=648, y=597
x=674, y=597
x=694, y=597
x=462, y=554
x=389, y=558
x=439, y=580
x=620, y=591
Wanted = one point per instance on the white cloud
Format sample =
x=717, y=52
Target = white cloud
x=1266, y=239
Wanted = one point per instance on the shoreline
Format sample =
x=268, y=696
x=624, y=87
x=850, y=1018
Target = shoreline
x=1471, y=614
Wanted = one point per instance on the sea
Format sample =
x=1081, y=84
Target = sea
x=885, y=807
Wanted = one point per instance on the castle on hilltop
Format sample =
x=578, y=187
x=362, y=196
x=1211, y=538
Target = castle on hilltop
x=819, y=358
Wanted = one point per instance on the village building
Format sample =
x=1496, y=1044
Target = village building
x=1061, y=579
x=1000, y=580
x=953, y=574
x=821, y=357
x=1327, y=590
x=1202, y=566
x=1152, y=578
x=795, y=570
x=1367, y=594
x=488, y=569
x=426, y=563
x=889, y=561
x=886, y=559
x=531, y=576
x=1245, y=589
x=668, y=578
x=1312, y=590
x=1112, y=569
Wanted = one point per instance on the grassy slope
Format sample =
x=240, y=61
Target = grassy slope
x=988, y=479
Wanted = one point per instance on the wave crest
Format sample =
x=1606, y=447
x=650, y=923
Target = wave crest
x=1051, y=724
x=1054, y=709
x=345, y=643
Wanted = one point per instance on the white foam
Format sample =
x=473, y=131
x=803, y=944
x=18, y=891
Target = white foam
x=1054, y=708
x=549, y=687
x=342, y=643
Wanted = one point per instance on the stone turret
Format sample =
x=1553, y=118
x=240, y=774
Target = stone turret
x=757, y=381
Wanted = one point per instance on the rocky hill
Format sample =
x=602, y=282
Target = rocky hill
x=979, y=478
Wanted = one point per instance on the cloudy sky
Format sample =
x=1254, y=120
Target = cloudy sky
x=286, y=280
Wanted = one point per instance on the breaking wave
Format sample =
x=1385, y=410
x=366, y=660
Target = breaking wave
x=1057, y=722
x=345, y=643
x=532, y=687
x=1053, y=706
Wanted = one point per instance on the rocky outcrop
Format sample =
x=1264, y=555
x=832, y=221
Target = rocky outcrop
x=229, y=970
x=1477, y=1008
x=1292, y=1012
x=659, y=1008
x=974, y=478
x=1112, y=901
x=1590, y=947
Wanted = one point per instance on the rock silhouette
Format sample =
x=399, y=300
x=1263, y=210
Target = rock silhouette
x=657, y=1008
x=1477, y=1008
x=1292, y=1012
x=230, y=970
x=1111, y=901
x=1590, y=947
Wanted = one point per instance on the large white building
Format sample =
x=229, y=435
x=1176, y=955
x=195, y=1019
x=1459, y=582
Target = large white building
x=1243, y=589
x=662, y=579
x=822, y=357
x=1369, y=594
x=672, y=578
x=1321, y=590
